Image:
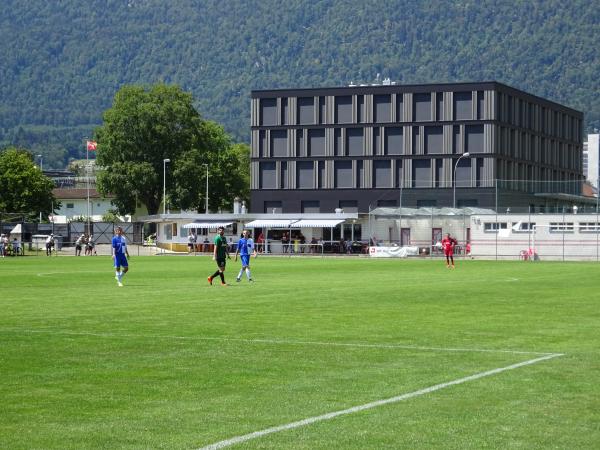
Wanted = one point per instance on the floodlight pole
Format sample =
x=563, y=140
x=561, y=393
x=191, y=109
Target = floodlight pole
x=41, y=170
x=87, y=179
x=464, y=155
x=206, y=196
x=165, y=161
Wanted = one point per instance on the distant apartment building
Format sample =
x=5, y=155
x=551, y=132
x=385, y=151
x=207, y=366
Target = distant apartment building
x=361, y=147
x=591, y=152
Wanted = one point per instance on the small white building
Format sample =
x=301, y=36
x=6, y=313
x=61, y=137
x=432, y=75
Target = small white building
x=173, y=229
x=74, y=203
x=566, y=237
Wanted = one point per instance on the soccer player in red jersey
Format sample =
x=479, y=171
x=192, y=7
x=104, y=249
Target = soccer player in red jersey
x=448, y=244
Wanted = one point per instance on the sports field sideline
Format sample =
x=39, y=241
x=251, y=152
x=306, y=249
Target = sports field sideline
x=316, y=354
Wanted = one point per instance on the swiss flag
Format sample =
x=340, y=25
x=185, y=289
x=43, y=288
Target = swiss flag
x=91, y=146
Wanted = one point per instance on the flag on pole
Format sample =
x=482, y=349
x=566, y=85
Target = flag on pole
x=91, y=146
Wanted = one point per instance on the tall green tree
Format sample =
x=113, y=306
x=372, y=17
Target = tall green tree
x=23, y=187
x=144, y=127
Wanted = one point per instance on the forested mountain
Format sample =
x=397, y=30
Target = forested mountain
x=61, y=62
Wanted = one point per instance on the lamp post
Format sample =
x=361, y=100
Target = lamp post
x=165, y=161
x=464, y=155
x=41, y=170
x=206, y=196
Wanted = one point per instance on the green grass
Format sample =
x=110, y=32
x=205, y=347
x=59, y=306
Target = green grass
x=170, y=362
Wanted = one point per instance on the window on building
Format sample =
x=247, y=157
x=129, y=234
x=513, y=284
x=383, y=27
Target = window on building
x=273, y=207
x=467, y=203
x=321, y=109
x=463, y=106
x=480, y=105
x=360, y=174
x=376, y=141
x=267, y=175
x=383, y=108
x=321, y=173
x=493, y=227
x=421, y=107
x=434, y=142
x=426, y=203
x=284, y=175
x=387, y=203
x=399, y=108
x=456, y=144
x=284, y=111
x=394, y=142
x=310, y=206
x=343, y=109
x=316, y=142
x=343, y=174
x=349, y=206
x=262, y=144
x=304, y=174
x=70, y=205
x=525, y=227
x=463, y=173
x=382, y=174
x=561, y=227
x=589, y=227
x=174, y=229
x=399, y=173
x=479, y=172
x=306, y=110
x=337, y=141
x=415, y=141
x=360, y=108
x=439, y=106
x=439, y=173
x=268, y=111
x=168, y=231
x=354, y=141
x=474, y=138
x=278, y=143
x=300, y=150
x=421, y=173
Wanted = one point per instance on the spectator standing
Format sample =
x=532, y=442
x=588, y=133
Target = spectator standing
x=191, y=241
x=49, y=244
x=91, y=245
x=79, y=244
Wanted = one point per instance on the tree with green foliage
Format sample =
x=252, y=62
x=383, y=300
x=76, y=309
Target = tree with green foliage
x=144, y=127
x=23, y=187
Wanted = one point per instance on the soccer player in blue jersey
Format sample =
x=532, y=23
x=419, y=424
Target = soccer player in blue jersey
x=120, y=255
x=245, y=248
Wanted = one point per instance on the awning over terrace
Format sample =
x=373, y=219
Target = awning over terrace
x=206, y=224
x=314, y=223
x=270, y=223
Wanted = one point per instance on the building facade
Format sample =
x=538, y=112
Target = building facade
x=591, y=166
x=362, y=147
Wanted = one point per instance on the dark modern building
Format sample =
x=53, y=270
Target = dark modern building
x=362, y=147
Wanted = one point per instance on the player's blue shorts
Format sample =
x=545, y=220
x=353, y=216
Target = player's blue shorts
x=245, y=260
x=121, y=260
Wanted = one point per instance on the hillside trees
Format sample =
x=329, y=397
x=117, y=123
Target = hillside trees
x=144, y=127
x=23, y=187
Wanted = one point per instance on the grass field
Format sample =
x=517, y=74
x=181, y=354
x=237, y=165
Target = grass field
x=170, y=362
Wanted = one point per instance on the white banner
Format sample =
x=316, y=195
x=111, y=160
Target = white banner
x=393, y=252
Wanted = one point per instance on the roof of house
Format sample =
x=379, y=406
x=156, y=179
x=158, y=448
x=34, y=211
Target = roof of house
x=76, y=194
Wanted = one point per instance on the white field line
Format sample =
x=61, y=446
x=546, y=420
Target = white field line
x=302, y=423
x=279, y=342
